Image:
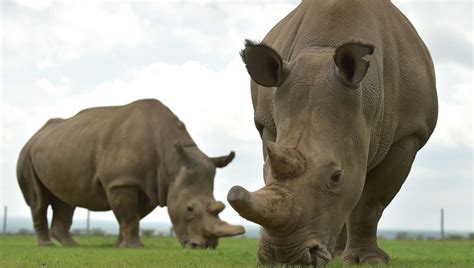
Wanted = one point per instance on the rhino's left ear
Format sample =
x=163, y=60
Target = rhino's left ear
x=223, y=161
x=264, y=64
x=351, y=66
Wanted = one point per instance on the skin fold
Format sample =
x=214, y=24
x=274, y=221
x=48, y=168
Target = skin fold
x=128, y=159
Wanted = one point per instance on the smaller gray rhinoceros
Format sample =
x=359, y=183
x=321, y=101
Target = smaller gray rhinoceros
x=128, y=159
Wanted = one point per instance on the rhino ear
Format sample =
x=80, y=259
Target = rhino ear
x=264, y=64
x=186, y=160
x=351, y=67
x=223, y=161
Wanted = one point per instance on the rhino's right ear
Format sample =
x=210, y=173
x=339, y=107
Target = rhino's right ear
x=264, y=64
x=186, y=160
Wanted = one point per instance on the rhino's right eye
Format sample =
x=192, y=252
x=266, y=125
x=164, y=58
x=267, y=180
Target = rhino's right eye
x=336, y=178
x=189, y=215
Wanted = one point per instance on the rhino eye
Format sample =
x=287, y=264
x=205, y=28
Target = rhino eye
x=190, y=214
x=336, y=177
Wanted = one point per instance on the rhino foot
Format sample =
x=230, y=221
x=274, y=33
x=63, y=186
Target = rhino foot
x=64, y=239
x=47, y=243
x=125, y=244
x=372, y=256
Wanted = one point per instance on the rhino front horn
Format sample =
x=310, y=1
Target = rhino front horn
x=267, y=206
x=285, y=162
x=223, y=229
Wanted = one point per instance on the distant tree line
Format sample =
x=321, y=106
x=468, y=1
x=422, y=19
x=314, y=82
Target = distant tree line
x=101, y=232
x=408, y=236
x=170, y=233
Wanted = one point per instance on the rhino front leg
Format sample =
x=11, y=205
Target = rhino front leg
x=125, y=205
x=382, y=184
x=62, y=221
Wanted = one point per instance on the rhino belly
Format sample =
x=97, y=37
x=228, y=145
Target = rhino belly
x=74, y=186
x=76, y=194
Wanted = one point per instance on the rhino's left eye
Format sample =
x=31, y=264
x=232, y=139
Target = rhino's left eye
x=336, y=177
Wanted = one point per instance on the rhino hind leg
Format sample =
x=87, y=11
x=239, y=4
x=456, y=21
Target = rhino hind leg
x=40, y=223
x=124, y=202
x=382, y=184
x=62, y=221
x=38, y=199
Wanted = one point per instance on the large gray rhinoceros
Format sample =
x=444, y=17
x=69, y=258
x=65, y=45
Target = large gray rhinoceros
x=128, y=159
x=344, y=96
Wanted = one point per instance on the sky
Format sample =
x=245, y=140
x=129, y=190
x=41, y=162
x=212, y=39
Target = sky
x=59, y=57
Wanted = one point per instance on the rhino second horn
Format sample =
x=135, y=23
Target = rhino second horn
x=285, y=162
x=266, y=207
x=215, y=207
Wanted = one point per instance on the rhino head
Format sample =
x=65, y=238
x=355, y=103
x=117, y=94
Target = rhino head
x=191, y=204
x=315, y=167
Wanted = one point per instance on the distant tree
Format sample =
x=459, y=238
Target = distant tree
x=171, y=231
x=470, y=236
x=455, y=237
x=401, y=236
x=76, y=232
x=97, y=232
x=147, y=232
x=420, y=237
x=24, y=231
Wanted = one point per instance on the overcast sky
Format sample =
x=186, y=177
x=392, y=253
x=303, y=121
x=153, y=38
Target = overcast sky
x=58, y=58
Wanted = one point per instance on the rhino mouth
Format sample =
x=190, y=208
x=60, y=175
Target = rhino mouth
x=311, y=252
x=209, y=244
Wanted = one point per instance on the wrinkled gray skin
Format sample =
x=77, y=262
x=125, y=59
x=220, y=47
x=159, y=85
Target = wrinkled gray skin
x=344, y=96
x=128, y=159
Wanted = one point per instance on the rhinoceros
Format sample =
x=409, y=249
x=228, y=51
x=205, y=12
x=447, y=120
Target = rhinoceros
x=128, y=159
x=344, y=96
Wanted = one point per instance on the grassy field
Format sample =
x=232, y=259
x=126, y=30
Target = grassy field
x=21, y=251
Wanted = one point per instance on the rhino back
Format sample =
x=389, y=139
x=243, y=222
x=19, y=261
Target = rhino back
x=399, y=90
x=81, y=158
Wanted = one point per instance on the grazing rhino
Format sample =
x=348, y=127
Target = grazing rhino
x=128, y=159
x=339, y=136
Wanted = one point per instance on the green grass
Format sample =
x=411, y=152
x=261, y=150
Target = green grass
x=21, y=251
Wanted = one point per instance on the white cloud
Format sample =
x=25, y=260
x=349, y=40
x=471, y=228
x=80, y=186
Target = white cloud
x=63, y=87
x=66, y=31
x=454, y=128
x=35, y=4
x=218, y=30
